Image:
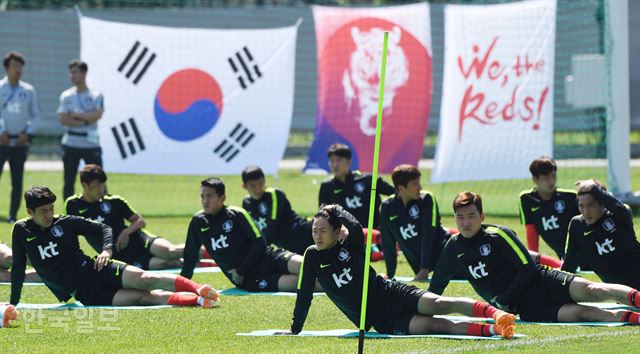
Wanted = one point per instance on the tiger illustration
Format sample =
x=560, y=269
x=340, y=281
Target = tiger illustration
x=362, y=79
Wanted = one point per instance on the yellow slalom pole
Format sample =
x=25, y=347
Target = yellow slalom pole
x=372, y=200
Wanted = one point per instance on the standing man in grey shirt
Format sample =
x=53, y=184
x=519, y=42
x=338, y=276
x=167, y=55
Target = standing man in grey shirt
x=80, y=109
x=18, y=113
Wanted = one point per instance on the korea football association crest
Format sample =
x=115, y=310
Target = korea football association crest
x=414, y=212
x=227, y=226
x=57, y=231
x=608, y=225
x=262, y=284
x=485, y=249
x=105, y=207
x=343, y=255
x=263, y=208
x=559, y=205
x=359, y=187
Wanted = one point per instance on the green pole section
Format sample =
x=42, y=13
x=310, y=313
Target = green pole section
x=372, y=200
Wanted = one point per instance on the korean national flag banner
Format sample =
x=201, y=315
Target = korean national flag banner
x=349, y=45
x=497, y=100
x=190, y=101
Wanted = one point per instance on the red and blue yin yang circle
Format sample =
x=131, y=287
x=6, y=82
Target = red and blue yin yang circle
x=188, y=104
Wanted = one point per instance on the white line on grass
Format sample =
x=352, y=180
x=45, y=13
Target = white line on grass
x=523, y=342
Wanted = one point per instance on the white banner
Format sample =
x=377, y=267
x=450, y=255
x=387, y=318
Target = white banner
x=497, y=101
x=190, y=101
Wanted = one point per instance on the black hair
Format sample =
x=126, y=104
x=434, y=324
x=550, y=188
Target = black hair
x=327, y=212
x=79, y=64
x=216, y=183
x=37, y=196
x=12, y=56
x=92, y=173
x=251, y=173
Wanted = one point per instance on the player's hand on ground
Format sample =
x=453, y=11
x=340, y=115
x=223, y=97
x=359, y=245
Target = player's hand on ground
x=4, y=138
x=423, y=275
x=101, y=260
x=123, y=240
x=235, y=277
x=22, y=140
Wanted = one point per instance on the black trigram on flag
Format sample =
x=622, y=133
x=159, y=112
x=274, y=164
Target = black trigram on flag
x=243, y=65
x=128, y=138
x=137, y=61
x=237, y=140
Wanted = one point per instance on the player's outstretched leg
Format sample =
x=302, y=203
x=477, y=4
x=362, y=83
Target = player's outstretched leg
x=583, y=290
x=132, y=297
x=136, y=278
x=421, y=324
x=163, y=248
x=161, y=263
x=583, y=313
x=433, y=304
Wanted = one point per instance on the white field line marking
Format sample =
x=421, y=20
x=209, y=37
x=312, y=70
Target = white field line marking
x=531, y=342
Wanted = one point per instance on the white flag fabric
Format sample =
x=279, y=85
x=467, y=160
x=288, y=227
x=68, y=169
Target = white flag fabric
x=497, y=101
x=190, y=101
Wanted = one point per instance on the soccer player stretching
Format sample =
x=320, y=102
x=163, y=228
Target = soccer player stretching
x=411, y=219
x=51, y=243
x=271, y=210
x=546, y=210
x=501, y=271
x=236, y=244
x=132, y=244
x=337, y=262
x=603, y=236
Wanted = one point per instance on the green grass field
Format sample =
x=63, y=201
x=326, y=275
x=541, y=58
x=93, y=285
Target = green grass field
x=167, y=203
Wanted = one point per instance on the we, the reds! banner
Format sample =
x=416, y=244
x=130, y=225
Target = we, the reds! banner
x=349, y=43
x=190, y=101
x=497, y=101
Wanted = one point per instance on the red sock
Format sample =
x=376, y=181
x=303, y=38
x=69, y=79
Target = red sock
x=634, y=298
x=187, y=285
x=550, y=261
x=631, y=317
x=479, y=330
x=482, y=309
x=183, y=299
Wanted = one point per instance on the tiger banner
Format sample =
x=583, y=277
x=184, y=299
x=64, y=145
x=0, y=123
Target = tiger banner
x=349, y=42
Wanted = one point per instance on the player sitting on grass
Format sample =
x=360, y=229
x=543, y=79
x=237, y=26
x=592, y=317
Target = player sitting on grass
x=51, y=243
x=6, y=260
x=272, y=213
x=337, y=262
x=603, y=236
x=501, y=271
x=352, y=190
x=132, y=244
x=411, y=219
x=236, y=244
x=546, y=210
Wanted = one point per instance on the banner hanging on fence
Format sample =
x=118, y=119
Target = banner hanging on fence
x=497, y=101
x=349, y=45
x=190, y=101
